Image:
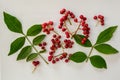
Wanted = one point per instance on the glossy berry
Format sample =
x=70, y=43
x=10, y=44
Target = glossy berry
x=95, y=17
x=50, y=58
x=62, y=11
x=66, y=60
x=53, y=61
x=57, y=59
x=50, y=22
x=75, y=20
x=35, y=63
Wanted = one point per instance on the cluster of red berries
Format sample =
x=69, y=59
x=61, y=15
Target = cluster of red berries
x=47, y=27
x=99, y=18
x=36, y=63
x=56, y=43
x=85, y=28
x=43, y=45
x=64, y=56
x=67, y=15
x=68, y=43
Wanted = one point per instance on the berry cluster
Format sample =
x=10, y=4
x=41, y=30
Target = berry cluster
x=48, y=27
x=43, y=45
x=99, y=18
x=68, y=43
x=66, y=18
x=67, y=15
x=56, y=43
x=85, y=28
x=64, y=56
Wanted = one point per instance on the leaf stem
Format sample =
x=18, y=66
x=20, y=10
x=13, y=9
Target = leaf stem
x=35, y=48
x=90, y=53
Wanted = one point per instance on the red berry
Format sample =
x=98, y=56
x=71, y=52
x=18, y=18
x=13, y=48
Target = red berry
x=57, y=59
x=35, y=63
x=102, y=24
x=44, y=43
x=61, y=57
x=60, y=27
x=66, y=60
x=64, y=55
x=100, y=17
x=83, y=42
x=40, y=45
x=68, y=12
x=84, y=18
x=53, y=61
x=62, y=11
x=81, y=16
x=64, y=18
x=50, y=58
x=95, y=17
x=59, y=36
x=54, y=36
x=63, y=29
x=51, y=29
x=72, y=16
x=51, y=53
x=75, y=20
x=67, y=34
x=50, y=22
x=44, y=25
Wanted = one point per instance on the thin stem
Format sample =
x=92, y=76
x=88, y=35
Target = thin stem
x=67, y=28
x=77, y=28
x=35, y=48
x=62, y=47
x=57, y=55
x=90, y=53
x=55, y=32
x=69, y=21
x=34, y=69
x=97, y=23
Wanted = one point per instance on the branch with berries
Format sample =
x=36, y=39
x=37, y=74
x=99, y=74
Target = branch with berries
x=79, y=35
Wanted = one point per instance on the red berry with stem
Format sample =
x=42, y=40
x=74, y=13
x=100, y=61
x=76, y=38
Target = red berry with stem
x=35, y=63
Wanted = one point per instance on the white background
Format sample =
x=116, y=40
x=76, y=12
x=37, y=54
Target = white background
x=30, y=12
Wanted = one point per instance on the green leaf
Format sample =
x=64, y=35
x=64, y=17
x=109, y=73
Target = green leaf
x=34, y=30
x=106, y=49
x=78, y=57
x=78, y=39
x=12, y=23
x=38, y=39
x=98, y=62
x=32, y=57
x=16, y=45
x=24, y=52
x=106, y=35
